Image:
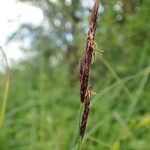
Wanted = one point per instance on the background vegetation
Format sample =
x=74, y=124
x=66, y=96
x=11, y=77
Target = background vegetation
x=44, y=106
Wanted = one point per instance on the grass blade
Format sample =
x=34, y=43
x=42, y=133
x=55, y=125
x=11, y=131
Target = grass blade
x=6, y=90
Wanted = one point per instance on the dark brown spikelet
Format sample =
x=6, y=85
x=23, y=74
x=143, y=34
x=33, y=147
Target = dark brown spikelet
x=85, y=65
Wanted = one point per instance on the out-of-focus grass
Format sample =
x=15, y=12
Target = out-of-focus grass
x=48, y=118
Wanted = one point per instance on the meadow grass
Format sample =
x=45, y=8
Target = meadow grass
x=43, y=119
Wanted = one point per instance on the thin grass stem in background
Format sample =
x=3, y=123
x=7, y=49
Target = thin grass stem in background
x=112, y=71
x=137, y=96
x=6, y=90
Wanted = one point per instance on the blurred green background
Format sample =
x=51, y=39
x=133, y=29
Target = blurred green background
x=43, y=107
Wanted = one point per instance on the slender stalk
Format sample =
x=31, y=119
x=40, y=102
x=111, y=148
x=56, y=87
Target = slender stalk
x=6, y=89
x=85, y=65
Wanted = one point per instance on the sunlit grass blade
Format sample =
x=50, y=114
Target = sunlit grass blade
x=6, y=90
